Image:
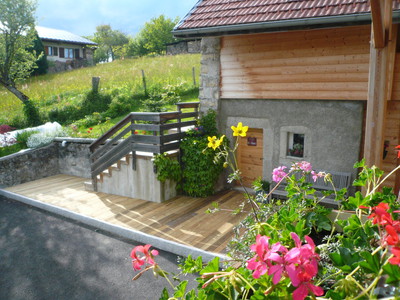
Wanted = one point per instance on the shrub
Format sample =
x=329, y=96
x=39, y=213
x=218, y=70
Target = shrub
x=95, y=102
x=200, y=173
x=31, y=113
x=39, y=140
x=65, y=114
x=121, y=105
x=4, y=151
x=5, y=128
x=23, y=137
x=168, y=168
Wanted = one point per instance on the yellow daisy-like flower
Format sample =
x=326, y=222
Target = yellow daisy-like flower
x=240, y=130
x=213, y=142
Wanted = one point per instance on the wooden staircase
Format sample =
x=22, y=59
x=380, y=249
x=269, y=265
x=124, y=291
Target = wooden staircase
x=138, y=133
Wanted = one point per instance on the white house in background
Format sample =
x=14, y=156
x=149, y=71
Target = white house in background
x=65, y=50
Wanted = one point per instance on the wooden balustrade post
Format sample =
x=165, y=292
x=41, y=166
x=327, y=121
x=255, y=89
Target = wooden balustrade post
x=95, y=84
x=133, y=145
x=194, y=75
x=144, y=83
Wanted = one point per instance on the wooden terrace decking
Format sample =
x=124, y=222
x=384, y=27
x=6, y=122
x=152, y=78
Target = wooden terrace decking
x=182, y=219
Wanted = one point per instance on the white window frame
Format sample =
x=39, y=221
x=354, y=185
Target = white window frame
x=69, y=53
x=286, y=142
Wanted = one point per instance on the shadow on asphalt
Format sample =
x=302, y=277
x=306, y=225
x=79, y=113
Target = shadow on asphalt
x=43, y=256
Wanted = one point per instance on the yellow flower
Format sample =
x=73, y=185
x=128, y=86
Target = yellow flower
x=240, y=130
x=213, y=142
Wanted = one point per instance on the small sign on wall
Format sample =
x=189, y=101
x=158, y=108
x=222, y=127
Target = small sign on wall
x=251, y=141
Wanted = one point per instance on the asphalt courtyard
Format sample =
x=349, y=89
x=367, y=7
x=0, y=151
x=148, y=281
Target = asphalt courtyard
x=44, y=256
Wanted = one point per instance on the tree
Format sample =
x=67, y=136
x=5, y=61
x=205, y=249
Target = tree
x=17, y=33
x=41, y=62
x=109, y=41
x=156, y=33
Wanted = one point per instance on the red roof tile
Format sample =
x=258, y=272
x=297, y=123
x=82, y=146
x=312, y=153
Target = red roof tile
x=210, y=13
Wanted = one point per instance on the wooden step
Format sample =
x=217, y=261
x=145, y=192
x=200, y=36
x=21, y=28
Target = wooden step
x=88, y=186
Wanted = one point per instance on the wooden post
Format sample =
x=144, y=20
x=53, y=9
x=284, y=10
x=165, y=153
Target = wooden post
x=95, y=84
x=194, y=75
x=133, y=149
x=144, y=83
x=377, y=82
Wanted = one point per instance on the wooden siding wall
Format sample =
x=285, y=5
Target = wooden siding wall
x=392, y=135
x=316, y=64
x=396, y=78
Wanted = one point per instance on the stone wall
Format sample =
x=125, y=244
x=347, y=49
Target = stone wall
x=74, y=156
x=332, y=129
x=183, y=47
x=29, y=165
x=64, y=156
x=210, y=74
x=61, y=66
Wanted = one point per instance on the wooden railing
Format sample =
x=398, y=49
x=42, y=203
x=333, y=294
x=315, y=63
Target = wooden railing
x=126, y=136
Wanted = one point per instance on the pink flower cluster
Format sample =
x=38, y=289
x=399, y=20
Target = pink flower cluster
x=148, y=257
x=299, y=264
x=279, y=173
x=381, y=216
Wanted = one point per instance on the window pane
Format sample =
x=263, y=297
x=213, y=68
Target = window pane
x=295, y=144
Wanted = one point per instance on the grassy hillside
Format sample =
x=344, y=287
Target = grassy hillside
x=58, y=90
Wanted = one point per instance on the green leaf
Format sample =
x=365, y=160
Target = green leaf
x=371, y=262
x=180, y=289
x=360, y=164
x=164, y=295
x=345, y=260
x=212, y=266
x=394, y=273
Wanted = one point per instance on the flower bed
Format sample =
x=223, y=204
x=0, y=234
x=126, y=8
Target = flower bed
x=273, y=255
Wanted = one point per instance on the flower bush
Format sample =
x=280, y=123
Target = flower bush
x=297, y=248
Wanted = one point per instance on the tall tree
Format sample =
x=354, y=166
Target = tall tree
x=17, y=33
x=109, y=41
x=41, y=62
x=156, y=33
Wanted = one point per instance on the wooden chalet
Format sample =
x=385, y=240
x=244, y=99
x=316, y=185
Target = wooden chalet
x=315, y=80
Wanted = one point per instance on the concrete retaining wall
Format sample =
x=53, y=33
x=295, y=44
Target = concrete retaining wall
x=28, y=165
x=141, y=183
x=71, y=158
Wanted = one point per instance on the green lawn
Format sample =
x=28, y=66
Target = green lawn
x=57, y=90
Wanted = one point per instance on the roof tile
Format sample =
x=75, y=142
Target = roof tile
x=209, y=13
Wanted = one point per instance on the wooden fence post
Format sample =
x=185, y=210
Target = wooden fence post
x=194, y=75
x=95, y=84
x=144, y=83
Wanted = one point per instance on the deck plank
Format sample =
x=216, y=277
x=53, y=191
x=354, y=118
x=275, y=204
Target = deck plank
x=182, y=219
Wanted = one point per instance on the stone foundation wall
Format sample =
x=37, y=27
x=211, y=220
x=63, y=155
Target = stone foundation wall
x=64, y=156
x=183, y=47
x=29, y=165
x=210, y=74
x=74, y=156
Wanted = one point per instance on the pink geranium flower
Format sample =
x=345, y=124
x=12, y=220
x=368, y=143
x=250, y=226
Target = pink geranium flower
x=265, y=255
x=148, y=256
x=304, y=289
x=315, y=175
x=304, y=166
x=279, y=173
x=302, y=266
